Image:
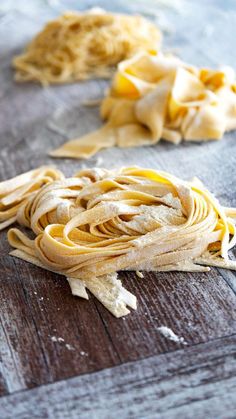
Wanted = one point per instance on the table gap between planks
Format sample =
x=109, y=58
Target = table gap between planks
x=46, y=334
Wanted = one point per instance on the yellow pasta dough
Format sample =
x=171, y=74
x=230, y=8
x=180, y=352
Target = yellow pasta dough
x=98, y=222
x=77, y=46
x=159, y=96
x=19, y=191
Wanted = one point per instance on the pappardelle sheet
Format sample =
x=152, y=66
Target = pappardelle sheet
x=156, y=96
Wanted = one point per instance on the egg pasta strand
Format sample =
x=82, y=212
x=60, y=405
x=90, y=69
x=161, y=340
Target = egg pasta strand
x=91, y=226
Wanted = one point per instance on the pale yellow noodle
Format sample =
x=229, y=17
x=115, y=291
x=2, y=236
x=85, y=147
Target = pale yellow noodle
x=98, y=222
x=78, y=46
x=155, y=97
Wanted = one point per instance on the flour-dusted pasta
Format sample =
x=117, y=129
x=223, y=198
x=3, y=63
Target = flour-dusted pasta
x=99, y=222
x=160, y=96
x=18, y=192
x=78, y=46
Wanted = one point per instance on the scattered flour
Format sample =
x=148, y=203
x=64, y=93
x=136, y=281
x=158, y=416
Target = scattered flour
x=169, y=334
x=99, y=162
x=69, y=347
x=62, y=340
x=83, y=353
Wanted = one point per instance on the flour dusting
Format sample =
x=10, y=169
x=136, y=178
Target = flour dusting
x=62, y=340
x=169, y=334
x=69, y=347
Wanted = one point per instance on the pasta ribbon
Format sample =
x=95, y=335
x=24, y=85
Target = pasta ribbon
x=99, y=222
x=17, y=193
x=155, y=97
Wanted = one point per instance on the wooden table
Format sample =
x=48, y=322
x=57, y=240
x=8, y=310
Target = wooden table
x=66, y=358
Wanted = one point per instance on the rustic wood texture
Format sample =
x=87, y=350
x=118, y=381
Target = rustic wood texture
x=46, y=334
x=51, y=335
x=199, y=382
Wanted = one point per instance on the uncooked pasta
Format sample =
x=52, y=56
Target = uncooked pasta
x=78, y=46
x=155, y=97
x=16, y=192
x=91, y=226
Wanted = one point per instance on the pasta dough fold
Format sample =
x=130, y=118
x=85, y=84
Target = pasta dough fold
x=159, y=96
x=98, y=222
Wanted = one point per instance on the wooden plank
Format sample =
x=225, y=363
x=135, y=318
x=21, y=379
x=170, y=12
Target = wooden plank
x=51, y=335
x=196, y=382
x=46, y=334
x=33, y=120
x=198, y=307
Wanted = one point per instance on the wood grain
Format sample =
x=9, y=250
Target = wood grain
x=198, y=307
x=51, y=335
x=47, y=334
x=198, y=382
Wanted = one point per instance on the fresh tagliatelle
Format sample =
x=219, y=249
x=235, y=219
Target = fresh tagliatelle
x=98, y=222
x=155, y=97
x=78, y=46
x=21, y=190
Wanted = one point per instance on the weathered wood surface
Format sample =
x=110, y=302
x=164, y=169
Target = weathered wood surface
x=38, y=308
x=48, y=335
x=199, y=382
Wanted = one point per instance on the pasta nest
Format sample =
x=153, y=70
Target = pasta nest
x=77, y=46
x=100, y=221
